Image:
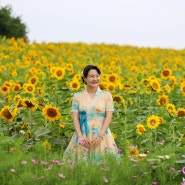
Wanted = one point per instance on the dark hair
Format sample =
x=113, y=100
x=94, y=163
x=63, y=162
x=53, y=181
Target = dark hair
x=87, y=69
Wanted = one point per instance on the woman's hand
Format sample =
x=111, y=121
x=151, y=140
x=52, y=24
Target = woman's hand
x=84, y=141
x=96, y=142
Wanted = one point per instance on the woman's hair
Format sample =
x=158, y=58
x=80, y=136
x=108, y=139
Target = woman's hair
x=87, y=69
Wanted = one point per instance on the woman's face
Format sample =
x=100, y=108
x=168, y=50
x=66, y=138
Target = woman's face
x=92, y=79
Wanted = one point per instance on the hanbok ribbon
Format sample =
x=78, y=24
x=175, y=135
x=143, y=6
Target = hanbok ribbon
x=83, y=121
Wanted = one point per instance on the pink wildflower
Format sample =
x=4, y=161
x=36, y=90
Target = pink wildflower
x=154, y=183
x=34, y=161
x=12, y=170
x=61, y=175
x=72, y=162
x=43, y=162
x=23, y=162
x=49, y=167
x=105, y=179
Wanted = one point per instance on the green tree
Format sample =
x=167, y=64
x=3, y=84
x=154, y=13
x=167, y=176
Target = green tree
x=11, y=26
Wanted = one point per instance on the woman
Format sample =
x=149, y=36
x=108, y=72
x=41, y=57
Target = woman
x=92, y=111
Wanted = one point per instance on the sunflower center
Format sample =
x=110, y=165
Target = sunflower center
x=112, y=78
x=7, y=114
x=59, y=73
x=111, y=88
x=33, y=80
x=155, y=85
x=4, y=88
x=166, y=73
x=183, y=89
x=181, y=113
x=29, y=88
x=51, y=112
x=162, y=101
x=16, y=88
x=29, y=104
x=75, y=85
x=152, y=122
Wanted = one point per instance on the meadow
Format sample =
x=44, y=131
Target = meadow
x=37, y=82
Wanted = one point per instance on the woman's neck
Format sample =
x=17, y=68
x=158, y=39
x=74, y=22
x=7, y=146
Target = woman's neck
x=92, y=90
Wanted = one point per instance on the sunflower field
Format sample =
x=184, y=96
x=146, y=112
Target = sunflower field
x=37, y=82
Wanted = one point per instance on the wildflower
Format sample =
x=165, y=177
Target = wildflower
x=140, y=129
x=47, y=145
x=12, y=170
x=183, y=170
x=61, y=175
x=49, y=167
x=154, y=183
x=62, y=125
x=105, y=179
x=23, y=162
x=72, y=162
x=34, y=161
x=43, y=162
x=171, y=169
x=51, y=113
x=114, y=135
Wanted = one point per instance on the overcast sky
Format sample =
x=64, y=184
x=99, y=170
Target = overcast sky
x=147, y=23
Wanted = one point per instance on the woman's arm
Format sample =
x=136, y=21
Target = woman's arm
x=76, y=122
x=106, y=123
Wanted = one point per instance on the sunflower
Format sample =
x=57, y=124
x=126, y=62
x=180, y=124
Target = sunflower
x=166, y=73
x=33, y=80
x=30, y=104
x=155, y=85
x=140, y=129
x=181, y=112
x=153, y=122
x=40, y=91
x=59, y=73
x=62, y=125
x=51, y=113
x=173, y=80
x=69, y=67
x=47, y=145
x=114, y=135
x=5, y=89
x=74, y=85
x=7, y=114
x=102, y=85
x=111, y=87
x=183, y=88
x=171, y=109
x=29, y=88
x=133, y=151
x=16, y=87
x=168, y=88
x=119, y=98
x=113, y=78
x=162, y=100
x=18, y=101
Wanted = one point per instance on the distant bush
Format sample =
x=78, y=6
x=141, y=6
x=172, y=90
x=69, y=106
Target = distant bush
x=11, y=26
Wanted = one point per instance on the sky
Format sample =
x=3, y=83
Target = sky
x=142, y=23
